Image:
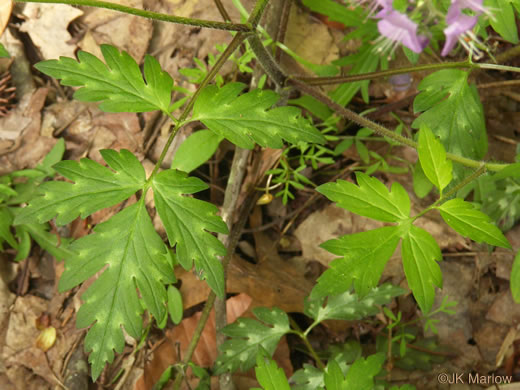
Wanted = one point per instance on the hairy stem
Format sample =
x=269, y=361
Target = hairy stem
x=222, y=10
x=303, y=335
x=384, y=73
x=381, y=130
x=150, y=15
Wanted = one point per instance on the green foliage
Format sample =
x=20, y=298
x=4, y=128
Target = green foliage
x=137, y=259
x=3, y=52
x=19, y=187
x=503, y=20
x=515, y=278
x=175, y=308
x=432, y=156
x=269, y=375
x=248, y=336
x=188, y=223
x=364, y=257
x=307, y=378
x=362, y=372
x=95, y=187
x=420, y=255
x=249, y=118
x=120, y=86
x=349, y=307
x=452, y=110
x=370, y=198
x=196, y=150
x=470, y=222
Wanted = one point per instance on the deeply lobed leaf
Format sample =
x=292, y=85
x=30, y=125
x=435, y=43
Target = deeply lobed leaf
x=349, y=307
x=420, y=255
x=364, y=254
x=137, y=264
x=95, y=187
x=370, y=198
x=470, y=222
x=118, y=85
x=250, y=118
x=188, y=223
x=452, y=110
x=248, y=336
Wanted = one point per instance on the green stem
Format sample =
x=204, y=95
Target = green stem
x=297, y=331
x=237, y=40
x=482, y=169
x=150, y=15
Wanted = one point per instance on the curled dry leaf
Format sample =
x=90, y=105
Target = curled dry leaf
x=5, y=13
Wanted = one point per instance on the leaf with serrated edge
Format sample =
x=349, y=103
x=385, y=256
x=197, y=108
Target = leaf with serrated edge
x=452, y=110
x=370, y=198
x=247, y=336
x=365, y=256
x=349, y=307
x=188, y=223
x=95, y=187
x=308, y=378
x=269, y=375
x=466, y=220
x=360, y=375
x=137, y=264
x=333, y=376
x=6, y=219
x=432, y=156
x=249, y=118
x=420, y=255
x=120, y=87
x=515, y=279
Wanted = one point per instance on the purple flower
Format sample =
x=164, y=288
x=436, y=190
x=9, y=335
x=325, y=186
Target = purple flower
x=460, y=24
x=398, y=28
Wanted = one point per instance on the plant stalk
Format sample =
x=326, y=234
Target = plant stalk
x=149, y=14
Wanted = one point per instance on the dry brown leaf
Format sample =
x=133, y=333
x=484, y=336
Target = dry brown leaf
x=127, y=32
x=47, y=25
x=179, y=338
x=5, y=13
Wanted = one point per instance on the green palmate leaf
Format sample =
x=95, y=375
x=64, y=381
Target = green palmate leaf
x=137, y=264
x=365, y=256
x=515, y=279
x=503, y=20
x=360, y=375
x=370, y=198
x=421, y=185
x=308, y=378
x=188, y=223
x=95, y=187
x=337, y=12
x=248, y=336
x=120, y=86
x=420, y=255
x=470, y=222
x=349, y=307
x=196, y=150
x=269, y=375
x=432, y=156
x=452, y=110
x=249, y=118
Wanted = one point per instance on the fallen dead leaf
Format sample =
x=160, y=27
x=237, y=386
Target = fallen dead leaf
x=47, y=25
x=5, y=13
x=127, y=32
x=179, y=337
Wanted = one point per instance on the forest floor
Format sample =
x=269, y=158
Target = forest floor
x=278, y=257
